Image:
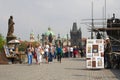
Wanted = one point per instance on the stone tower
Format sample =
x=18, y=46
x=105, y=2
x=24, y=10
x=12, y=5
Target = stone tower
x=76, y=35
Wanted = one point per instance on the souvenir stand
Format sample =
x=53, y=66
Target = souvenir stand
x=95, y=54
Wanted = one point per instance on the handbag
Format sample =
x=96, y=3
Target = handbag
x=35, y=55
x=41, y=52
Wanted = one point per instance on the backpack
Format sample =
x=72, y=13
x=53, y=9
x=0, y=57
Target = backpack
x=59, y=50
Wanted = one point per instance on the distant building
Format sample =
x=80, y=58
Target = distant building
x=32, y=38
x=114, y=33
x=76, y=35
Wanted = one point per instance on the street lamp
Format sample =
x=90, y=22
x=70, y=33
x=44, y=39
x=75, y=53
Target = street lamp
x=59, y=40
x=67, y=39
x=92, y=22
x=105, y=10
x=43, y=37
x=38, y=37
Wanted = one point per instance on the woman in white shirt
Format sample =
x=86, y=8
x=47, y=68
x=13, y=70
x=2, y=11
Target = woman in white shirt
x=39, y=54
x=46, y=52
x=30, y=50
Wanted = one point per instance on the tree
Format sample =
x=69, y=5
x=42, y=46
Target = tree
x=2, y=42
x=23, y=46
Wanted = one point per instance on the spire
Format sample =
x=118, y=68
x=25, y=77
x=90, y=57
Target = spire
x=74, y=26
x=32, y=38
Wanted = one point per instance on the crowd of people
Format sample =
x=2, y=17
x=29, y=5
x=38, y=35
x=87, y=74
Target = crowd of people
x=49, y=52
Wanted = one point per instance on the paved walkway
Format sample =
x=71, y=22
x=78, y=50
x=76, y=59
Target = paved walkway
x=69, y=69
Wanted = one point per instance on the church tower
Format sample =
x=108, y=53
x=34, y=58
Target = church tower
x=32, y=38
x=76, y=35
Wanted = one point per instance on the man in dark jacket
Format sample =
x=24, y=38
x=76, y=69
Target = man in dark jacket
x=107, y=52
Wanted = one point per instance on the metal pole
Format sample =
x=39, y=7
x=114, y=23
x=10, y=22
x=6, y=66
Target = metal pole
x=92, y=23
x=38, y=37
x=105, y=26
x=67, y=39
x=105, y=10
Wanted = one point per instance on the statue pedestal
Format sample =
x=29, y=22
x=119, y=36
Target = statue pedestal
x=9, y=38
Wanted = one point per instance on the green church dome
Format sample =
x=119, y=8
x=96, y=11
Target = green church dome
x=49, y=32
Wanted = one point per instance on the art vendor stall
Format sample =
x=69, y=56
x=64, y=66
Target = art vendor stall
x=95, y=54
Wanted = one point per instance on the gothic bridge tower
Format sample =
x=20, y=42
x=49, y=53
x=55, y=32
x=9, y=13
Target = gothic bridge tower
x=76, y=35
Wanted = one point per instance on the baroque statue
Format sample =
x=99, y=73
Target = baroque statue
x=50, y=37
x=10, y=26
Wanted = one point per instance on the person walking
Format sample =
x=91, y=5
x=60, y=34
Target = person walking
x=46, y=50
x=51, y=52
x=30, y=50
x=75, y=52
x=59, y=53
x=107, y=52
x=71, y=51
x=39, y=54
x=35, y=54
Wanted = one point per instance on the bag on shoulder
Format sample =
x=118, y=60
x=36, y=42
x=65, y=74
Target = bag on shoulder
x=35, y=55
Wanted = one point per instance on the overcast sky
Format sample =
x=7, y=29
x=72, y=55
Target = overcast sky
x=38, y=15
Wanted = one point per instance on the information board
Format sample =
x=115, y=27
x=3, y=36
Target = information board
x=95, y=53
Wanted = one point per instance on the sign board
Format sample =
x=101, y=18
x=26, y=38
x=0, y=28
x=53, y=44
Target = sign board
x=95, y=53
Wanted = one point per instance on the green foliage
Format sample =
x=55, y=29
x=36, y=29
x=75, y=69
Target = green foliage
x=23, y=46
x=2, y=42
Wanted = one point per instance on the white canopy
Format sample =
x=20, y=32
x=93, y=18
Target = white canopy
x=15, y=41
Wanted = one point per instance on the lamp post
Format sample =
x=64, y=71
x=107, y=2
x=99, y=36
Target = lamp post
x=38, y=37
x=58, y=40
x=104, y=18
x=92, y=22
x=67, y=39
x=105, y=10
x=43, y=36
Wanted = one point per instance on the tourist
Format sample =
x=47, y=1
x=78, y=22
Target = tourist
x=75, y=51
x=30, y=50
x=59, y=53
x=107, y=52
x=63, y=49
x=51, y=52
x=35, y=54
x=46, y=50
x=66, y=52
x=71, y=51
x=55, y=52
x=38, y=51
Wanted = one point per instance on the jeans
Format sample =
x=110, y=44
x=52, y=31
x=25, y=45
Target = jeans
x=29, y=58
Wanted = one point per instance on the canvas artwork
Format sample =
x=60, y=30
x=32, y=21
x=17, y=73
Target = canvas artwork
x=89, y=63
x=99, y=41
x=93, y=63
x=88, y=58
x=95, y=54
x=93, y=59
x=89, y=55
x=89, y=49
x=101, y=47
x=102, y=54
x=99, y=61
x=95, y=49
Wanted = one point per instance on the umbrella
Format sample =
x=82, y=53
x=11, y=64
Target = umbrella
x=15, y=41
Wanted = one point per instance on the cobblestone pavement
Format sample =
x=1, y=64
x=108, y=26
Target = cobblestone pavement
x=69, y=69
